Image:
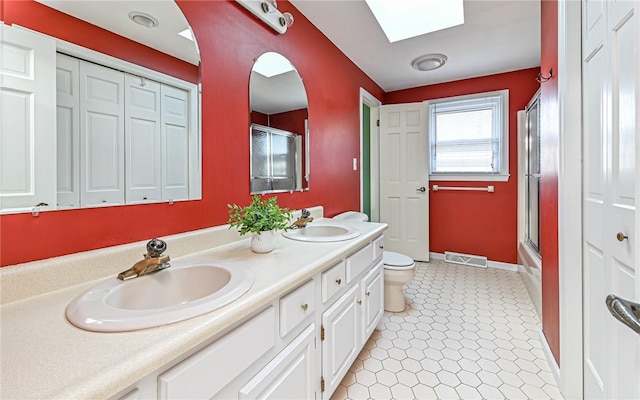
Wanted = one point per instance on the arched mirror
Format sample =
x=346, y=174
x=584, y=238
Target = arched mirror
x=279, y=127
x=117, y=140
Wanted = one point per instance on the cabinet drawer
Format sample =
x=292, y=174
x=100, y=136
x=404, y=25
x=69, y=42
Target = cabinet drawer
x=204, y=374
x=290, y=375
x=296, y=306
x=378, y=247
x=333, y=280
x=359, y=262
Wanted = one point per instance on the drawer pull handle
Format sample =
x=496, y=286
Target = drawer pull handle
x=360, y=302
x=368, y=293
x=305, y=307
x=339, y=281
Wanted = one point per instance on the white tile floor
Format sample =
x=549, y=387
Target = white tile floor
x=467, y=333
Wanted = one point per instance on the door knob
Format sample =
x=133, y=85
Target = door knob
x=621, y=236
x=421, y=189
x=625, y=311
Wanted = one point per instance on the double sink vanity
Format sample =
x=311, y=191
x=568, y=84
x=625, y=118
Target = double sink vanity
x=287, y=324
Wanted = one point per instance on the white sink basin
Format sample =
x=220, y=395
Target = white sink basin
x=164, y=297
x=322, y=233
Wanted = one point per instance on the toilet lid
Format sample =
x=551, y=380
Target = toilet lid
x=396, y=259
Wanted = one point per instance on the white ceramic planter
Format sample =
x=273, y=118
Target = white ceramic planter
x=263, y=242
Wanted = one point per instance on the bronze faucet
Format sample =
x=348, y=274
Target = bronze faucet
x=304, y=219
x=153, y=261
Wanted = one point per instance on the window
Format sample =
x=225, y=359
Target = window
x=469, y=137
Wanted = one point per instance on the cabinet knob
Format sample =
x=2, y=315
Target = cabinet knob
x=360, y=302
x=368, y=293
x=621, y=236
x=305, y=307
x=381, y=247
x=339, y=281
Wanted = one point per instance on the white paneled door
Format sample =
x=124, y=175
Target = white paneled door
x=27, y=120
x=102, y=135
x=611, y=68
x=404, y=179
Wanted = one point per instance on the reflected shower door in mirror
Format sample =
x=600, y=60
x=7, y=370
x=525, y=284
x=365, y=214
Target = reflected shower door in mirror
x=279, y=127
x=116, y=124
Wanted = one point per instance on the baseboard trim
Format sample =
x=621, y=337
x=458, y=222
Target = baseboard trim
x=490, y=264
x=555, y=369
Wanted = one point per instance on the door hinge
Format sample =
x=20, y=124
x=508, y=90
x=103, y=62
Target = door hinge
x=377, y=122
x=321, y=332
x=321, y=384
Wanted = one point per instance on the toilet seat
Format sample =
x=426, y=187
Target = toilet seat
x=396, y=261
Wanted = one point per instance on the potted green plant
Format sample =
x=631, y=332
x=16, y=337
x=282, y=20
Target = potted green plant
x=261, y=218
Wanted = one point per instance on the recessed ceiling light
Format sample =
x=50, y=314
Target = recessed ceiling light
x=403, y=19
x=143, y=19
x=429, y=62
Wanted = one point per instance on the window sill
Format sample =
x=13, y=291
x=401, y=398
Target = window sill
x=470, y=177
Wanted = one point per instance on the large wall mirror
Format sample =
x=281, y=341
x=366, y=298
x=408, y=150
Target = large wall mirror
x=124, y=133
x=279, y=127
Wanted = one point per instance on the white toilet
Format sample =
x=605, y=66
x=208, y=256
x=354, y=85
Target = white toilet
x=399, y=269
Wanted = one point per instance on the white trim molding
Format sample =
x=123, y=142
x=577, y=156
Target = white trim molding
x=370, y=100
x=570, y=223
x=553, y=365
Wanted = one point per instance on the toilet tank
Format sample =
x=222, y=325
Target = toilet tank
x=352, y=216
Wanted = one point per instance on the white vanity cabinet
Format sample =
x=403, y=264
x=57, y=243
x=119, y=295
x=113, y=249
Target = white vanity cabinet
x=290, y=375
x=300, y=346
x=348, y=321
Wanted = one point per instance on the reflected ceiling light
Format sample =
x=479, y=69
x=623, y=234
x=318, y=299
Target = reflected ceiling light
x=272, y=64
x=403, y=19
x=429, y=62
x=186, y=34
x=143, y=19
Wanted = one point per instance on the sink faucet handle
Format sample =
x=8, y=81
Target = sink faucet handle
x=155, y=247
x=305, y=213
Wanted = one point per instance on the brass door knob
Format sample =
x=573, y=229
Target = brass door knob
x=621, y=236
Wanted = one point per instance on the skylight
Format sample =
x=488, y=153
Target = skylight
x=403, y=19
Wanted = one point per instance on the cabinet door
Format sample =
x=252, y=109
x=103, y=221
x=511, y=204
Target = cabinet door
x=68, y=130
x=290, y=375
x=102, y=135
x=142, y=138
x=341, y=342
x=175, y=143
x=27, y=137
x=373, y=300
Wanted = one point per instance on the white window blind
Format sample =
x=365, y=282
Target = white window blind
x=468, y=135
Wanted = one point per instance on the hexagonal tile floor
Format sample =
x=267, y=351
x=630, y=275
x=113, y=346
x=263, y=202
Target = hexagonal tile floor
x=467, y=333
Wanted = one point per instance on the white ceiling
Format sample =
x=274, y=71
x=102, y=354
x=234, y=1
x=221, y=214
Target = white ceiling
x=497, y=36
x=113, y=15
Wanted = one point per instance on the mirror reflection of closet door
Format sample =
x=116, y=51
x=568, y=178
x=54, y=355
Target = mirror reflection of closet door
x=142, y=136
x=102, y=135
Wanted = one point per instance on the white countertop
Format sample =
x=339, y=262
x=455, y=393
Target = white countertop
x=43, y=356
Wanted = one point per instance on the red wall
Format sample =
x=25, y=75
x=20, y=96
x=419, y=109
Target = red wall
x=230, y=39
x=478, y=222
x=550, y=125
